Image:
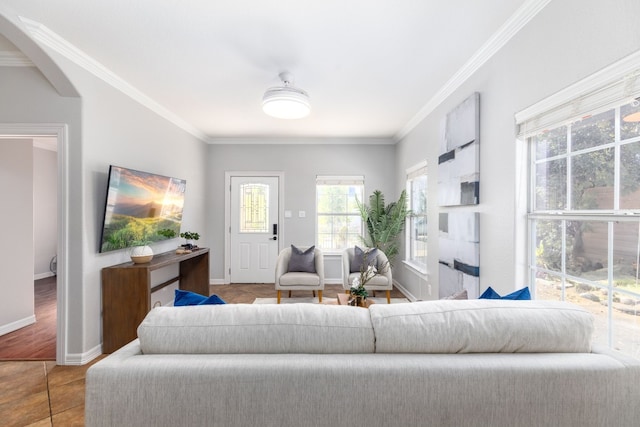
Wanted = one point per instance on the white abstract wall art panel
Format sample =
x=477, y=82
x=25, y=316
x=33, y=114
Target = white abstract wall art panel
x=459, y=245
x=459, y=160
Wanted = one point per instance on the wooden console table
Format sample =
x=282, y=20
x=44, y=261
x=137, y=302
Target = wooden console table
x=126, y=292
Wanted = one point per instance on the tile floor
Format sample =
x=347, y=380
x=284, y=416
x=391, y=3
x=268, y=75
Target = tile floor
x=42, y=394
x=38, y=394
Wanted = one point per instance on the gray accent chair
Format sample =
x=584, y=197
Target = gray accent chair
x=299, y=281
x=381, y=282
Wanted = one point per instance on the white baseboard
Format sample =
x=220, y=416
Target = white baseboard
x=14, y=326
x=43, y=275
x=77, y=359
x=333, y=281
x=216, y=282
x=404, y=290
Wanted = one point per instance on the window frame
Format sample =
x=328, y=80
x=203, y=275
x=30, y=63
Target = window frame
x=608, y=88
x=413, y=173
x=609, y=218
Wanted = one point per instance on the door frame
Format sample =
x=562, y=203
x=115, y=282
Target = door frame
x=60, y=131
x=227, y=212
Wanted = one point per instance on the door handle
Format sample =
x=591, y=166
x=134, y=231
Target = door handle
x=273, y=238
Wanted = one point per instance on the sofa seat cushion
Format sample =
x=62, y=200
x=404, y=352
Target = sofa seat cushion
x=377, y=280
x=297, y=278
x=256, y=328
x=482, y=326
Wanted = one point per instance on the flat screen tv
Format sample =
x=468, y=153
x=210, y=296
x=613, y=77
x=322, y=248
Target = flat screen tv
x=138, y=205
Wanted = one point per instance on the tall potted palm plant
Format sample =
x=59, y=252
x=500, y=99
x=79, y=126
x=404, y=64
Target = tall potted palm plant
x=383, y=222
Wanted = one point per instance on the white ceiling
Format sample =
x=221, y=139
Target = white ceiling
x=369, y=66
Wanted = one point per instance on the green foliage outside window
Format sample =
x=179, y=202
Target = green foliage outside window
x=587, y=150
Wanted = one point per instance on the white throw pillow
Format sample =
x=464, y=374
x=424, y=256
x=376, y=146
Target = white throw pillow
x=256, y=328
x=482, y=326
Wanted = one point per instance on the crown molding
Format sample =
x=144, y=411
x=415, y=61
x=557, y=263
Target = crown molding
x=14, y=59
x=60, y=45
x=496, y=42
x=301, y=141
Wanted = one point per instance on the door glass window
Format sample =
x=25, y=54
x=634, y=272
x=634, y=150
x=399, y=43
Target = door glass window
x=254, y=208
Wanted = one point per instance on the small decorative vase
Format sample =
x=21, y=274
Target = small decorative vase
x=141, y=254
x=357, y=301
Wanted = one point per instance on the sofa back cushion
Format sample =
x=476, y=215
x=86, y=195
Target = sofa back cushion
x=482, y=326
x=256, y=328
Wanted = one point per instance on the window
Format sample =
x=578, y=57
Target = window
x=416, y=227
x=339, y=224
x=254, y=208
x=584, y=215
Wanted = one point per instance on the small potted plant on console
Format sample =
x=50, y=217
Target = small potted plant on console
x=190, y=236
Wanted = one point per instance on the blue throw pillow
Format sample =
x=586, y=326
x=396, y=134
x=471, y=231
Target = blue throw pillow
x=489, y=294
x=183, y=298
x=213, y=299
x=520, y=294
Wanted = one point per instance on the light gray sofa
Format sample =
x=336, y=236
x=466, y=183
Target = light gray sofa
x=441, y=363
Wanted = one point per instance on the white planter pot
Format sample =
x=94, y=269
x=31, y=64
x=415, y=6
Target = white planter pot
x=141, y=254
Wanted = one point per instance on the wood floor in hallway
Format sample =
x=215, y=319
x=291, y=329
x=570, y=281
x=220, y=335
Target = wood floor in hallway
x=36, y=341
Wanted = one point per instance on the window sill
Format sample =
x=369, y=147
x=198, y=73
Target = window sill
x=420, y=271
x=332, y=253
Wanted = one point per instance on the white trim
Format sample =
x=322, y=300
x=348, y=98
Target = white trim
x=14, y=59
x=227, y=212
x=419, y=271
x=78, y=359
x=405, y=291
x=49, y=38
x=340, y=180
x=593, y=82
x=496, y=42
x=60, y=131
x=301, y=141
x=18, y=324
x=216, y=282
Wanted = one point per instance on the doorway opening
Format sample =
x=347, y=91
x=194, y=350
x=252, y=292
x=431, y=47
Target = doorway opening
x=57, y=133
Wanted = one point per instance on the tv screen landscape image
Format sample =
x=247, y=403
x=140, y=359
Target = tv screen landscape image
x=138, y=205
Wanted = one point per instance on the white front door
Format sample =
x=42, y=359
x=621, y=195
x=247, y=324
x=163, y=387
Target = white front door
x=253, y=228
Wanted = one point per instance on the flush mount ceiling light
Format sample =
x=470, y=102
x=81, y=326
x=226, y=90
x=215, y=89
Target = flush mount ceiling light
x=286, y=101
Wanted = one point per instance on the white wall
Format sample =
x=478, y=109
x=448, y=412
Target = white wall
x=45, y=210
x=16, y=250
x=300, y=164
x=118, y=130
x=564, y=43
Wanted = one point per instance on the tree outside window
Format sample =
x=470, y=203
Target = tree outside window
x=585, y=220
